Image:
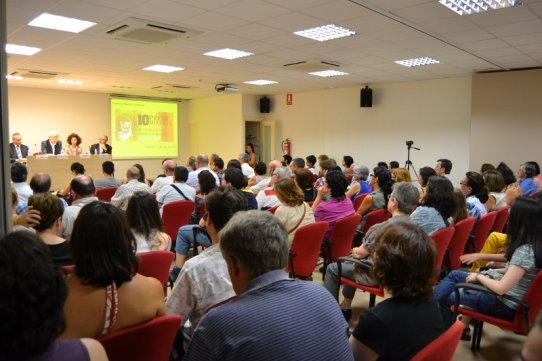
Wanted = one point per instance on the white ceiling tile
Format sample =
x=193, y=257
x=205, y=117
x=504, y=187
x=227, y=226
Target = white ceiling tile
x=502, y=16
x=486, y=44
x=214, y=22
x=524, y=27
x=253, y=10
x=166, y=11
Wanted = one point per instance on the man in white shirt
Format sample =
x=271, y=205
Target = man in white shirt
x=177, y=191
x=268, y=182
x=248, y=171
x=202, y=163
x=83, y=188
x=160, y=182
x=266, y=198
x=443, y=168
x=126, y=191
x=19, y=174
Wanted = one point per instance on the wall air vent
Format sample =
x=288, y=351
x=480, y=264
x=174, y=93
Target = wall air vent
x=38, y=74
x=312, y=65
x=149, y=32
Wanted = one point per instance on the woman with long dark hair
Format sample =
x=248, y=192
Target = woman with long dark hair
x=476, y=192
x=381, y=182
x=144, y=218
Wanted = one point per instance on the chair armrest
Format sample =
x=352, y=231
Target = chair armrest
x=359, y=262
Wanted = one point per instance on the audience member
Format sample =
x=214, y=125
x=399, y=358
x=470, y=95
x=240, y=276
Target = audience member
x=495, y=185
x=178, y=190
x=169, y=170
x=24, y=221
x=260, y=174
x=394, y=165
x=348, y=166
x=443, y=168
x=76, y=169
x=274, y=164
x=303, y=178
x=526, y=173
x=294, y=212
x=310, y=160
x=423, y=178
x=400, y=326
x=359, y=183
x=381, y=183
x=146, y=223
x=286, y=160
x=191, y=163
x=218, y=167
x=325, y=165
x=142, y=178
x=50, y=226
x=461, y=211
x=401, y=175
x=485, y=167
x=507, y=173
x=537, y=177
x=52, y=145
x=202, y=163
x=382, y=164
x=475, y=190
x=234, y=177
x=247, y=170
x=204, y=281
x=32, y=305
x=267, y=198
x=255, y=247
x=249, y=149
x=17, y=150
x=74, y=144
x=297, y=163
x=19, y=174
x=125, y=191
x=338, y=206
x=108, y=180
x=84, y=193
x=40, y=183
x=106, y=293
x=101, y=147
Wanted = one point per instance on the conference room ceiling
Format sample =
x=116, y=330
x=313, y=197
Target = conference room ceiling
x=386, y=31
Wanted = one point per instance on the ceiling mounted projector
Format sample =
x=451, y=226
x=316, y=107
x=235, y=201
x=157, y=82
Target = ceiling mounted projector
x=225, y=88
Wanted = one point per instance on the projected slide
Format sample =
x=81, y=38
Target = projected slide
x=143, y=128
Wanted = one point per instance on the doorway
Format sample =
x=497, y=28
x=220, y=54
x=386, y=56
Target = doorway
x=262, y=135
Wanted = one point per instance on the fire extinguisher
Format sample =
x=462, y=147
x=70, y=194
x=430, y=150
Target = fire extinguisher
x=286, y=146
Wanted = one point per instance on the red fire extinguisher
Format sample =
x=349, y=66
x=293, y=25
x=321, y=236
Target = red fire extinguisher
x=286, y=146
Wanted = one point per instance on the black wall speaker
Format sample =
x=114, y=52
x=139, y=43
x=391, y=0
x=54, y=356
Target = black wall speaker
x=265, y=105
x=366, y=97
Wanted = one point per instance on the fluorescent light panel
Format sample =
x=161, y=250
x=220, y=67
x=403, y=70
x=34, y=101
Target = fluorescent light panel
x=163, y=68
x=260, y=82
x=21, y=49
x=62, y=23
x=228, y=53
x=417, y=62
x=69, y=82
x=14, y=77
x=467, y=7
x=325, y=32
x=328, y=73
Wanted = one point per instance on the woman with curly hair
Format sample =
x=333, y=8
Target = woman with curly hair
x=74, y=142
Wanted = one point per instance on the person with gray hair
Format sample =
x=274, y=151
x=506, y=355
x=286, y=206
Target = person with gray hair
x=52, y=145
x=267, y=182
x=359, y=184
x=266, y=198
x=124, y=192
x=169, y=170
x=248, y=171
x=255, y=247
x=202, y=163
x=401, y=204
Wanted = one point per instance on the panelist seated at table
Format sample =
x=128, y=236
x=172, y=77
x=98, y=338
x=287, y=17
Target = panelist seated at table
x=52, y=145
x=17, y=150
x=101, y=147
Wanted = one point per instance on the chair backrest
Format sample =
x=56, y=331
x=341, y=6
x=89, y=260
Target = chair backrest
x=482, y=229
x=273, y=209
x=502, y=217
x=151, y=340
x=305, y=249
x=442, y=239
x=342, y=235
x=375, y=217
x=176, y=214
x=105, y=194
x=533, y=297
x=443, y=347
x=457, y=245
x=358, y=200
x=155, y=264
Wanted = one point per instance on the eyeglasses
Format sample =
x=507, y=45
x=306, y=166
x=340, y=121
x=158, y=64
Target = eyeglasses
x=464, y=184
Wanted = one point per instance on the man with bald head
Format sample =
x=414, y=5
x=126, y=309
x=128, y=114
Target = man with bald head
x=52, y=145
x=159, y=183
x=40, y=183
x=84, y=193
x=101, y=147
x=202, y=163
x=126, y=191
x=267, y=182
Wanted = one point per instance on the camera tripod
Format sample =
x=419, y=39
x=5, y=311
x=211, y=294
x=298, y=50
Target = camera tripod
x=408, y=163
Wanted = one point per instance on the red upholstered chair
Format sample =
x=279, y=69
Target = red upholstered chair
x=151, y=340
x=500, y=221
x=175, y=215
x=457, y=245
x=156, y=264
x=373, y=290
x=340, y=241
x=305, y=249
x=358, y=200
x=442, y=239
x=273, y=209
x=443, y=347
x=105, y=194
x=481, y=231
x=526, y=312
x=374, y=217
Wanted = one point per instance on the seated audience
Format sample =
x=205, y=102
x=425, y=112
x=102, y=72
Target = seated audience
x=125, y=191
x=202, y=163
x=49, y=228
x=401, y=175
x=19, y=174
x=526, y=173
x=310, y=161
x=146, y=224
x=297, y=163
x=178, y=190
x=338, y=206
x=383, y=165
x=400, y=326
x=485, y=167
x=507, y=173
x=294, y=212
x=84, y=193
x=191, y=163
x=163, y=168
x=169, y=169
x=394, y=165
x=204, y=281
x=495, y=185
x=423, y=178
x=233, y=177
x=381, y=183
x=437, y=207
x=269, y=305
x=286, y=160
x=142, y=178
x=475, y=190
x=106, y=293
x=260, y=170
x=359, y=183
x=524, y=256
x=77, y=169
x=325, y=165
x=461, y=212
x=32, y=306
x=234, y=163
x=247, y=170
x=268, y=182
x=218, y=167
x=108, y=180
x=537, y=177
x=304, y=180
x=443, y=168
x=266, y=198
x=40, y=183
x=24, y=221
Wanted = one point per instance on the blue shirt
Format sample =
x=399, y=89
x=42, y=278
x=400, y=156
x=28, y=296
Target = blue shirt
x=428, y=218
x=275, y=318
x=475, y=208
x=528, y=186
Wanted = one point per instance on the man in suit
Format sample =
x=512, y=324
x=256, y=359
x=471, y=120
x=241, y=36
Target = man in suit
x=52, y=145
x=101, y=147
x=17, y=150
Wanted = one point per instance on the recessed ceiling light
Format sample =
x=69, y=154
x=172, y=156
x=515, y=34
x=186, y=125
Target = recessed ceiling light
x=467, y=7
x=325, y=32
x=14, y=77
x=69, y=82
x=417, y=62
x=260, y=82
x=62, y=23
x=328, y=73
x=163, y=68
x=21, y=49
x=229, y=54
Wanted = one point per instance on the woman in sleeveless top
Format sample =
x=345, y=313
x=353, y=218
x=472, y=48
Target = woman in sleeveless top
x=105, y=278
x=32, y=315
x=425, y=174
x=380, y=181
x=146, y=224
